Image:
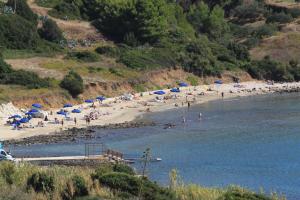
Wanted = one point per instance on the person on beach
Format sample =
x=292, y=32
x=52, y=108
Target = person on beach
x=189, y=105
x=222, y=95
x=75, y=121
x=62, y=123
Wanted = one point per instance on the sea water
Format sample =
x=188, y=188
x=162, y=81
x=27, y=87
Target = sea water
x=253, y=142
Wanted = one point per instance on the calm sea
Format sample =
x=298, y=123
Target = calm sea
x=253, y=142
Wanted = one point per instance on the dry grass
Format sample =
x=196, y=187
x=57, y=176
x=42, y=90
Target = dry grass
x=283, y=47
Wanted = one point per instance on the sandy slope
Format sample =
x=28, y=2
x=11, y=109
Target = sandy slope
x=122, y=111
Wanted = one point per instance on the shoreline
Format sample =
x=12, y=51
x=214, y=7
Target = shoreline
x=123, y=114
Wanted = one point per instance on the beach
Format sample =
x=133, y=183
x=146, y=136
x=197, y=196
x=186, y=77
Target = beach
x=117, y=110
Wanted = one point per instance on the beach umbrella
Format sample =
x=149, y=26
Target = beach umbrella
x=160, y=92
x=89, y=101
x=61, y=112
x=182, y=84
x=218, y=82
x=24, y=120
x=175, y=90
x=76, y=111
x=101, y=98
x=33, y=111
x=37, y=105
x=68, y=105
x=15, y=116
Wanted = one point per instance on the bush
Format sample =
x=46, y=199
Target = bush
x=249, y=12
x=237, y=194
x=265, y=30
x=73, y=83
x=269, y=70
x=7, y=170
x=132, y=185
x=23, y=10
x=279, y=18
x=100, y=171
x=50, y=31
x=121, y=182
x=147, y=58
x=17, y=33
x=123, y=168
x=108, y=51
x=65, y=10
x=25, y=78
x=80, y=186
x=41, y=182
x=241, y=52
x=84, y=56
x=294, y=12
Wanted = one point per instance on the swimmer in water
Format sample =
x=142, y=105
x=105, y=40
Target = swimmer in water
x=183, y=120
x=200, y=116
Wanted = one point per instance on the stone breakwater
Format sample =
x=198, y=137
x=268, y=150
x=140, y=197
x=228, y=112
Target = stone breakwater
x=75, y=134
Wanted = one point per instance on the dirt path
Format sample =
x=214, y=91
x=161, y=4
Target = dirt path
x=73, y=29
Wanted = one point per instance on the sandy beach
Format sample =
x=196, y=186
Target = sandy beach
x=115, y=110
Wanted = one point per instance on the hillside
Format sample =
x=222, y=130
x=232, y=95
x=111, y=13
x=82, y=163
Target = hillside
x=192, y=41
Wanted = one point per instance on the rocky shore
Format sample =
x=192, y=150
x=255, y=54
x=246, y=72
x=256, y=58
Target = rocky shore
x=75, y=134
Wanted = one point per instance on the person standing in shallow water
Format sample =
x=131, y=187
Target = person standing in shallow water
x=222, y=95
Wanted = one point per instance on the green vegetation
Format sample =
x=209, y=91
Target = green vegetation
x=83, y=56
x=17, y=33
x=21, y=77
x=50, y=31
x=48, y=3
x=23, y=10
x=273, y=70
x=67, y=10
x=41, y=182
x=27, y=182
x=73, y=83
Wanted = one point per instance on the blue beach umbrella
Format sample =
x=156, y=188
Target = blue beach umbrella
x=101, y=98
x=218, y=82
x=61, y=112
x=24, y=120
x=33, y=111
x=68, y=105
x=182, y=84
x=160, y=92
x=37, y=105
x=76, y=111
x=175, y=90
x=89, y=101
x=15, y=116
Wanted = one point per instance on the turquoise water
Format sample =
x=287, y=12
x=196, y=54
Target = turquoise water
x=252, y=142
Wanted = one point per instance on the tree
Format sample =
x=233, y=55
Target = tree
x=50, y=31
x=209, y=22
x=23, y=10
x=198, y=16
x=73, y=83
x=145, y=19
x=17, y=33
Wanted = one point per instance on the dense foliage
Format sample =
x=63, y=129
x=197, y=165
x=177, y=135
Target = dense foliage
x=83, y=56
x=17, y=33
x=23, y=10
x=50, y=31
x=73, y=83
